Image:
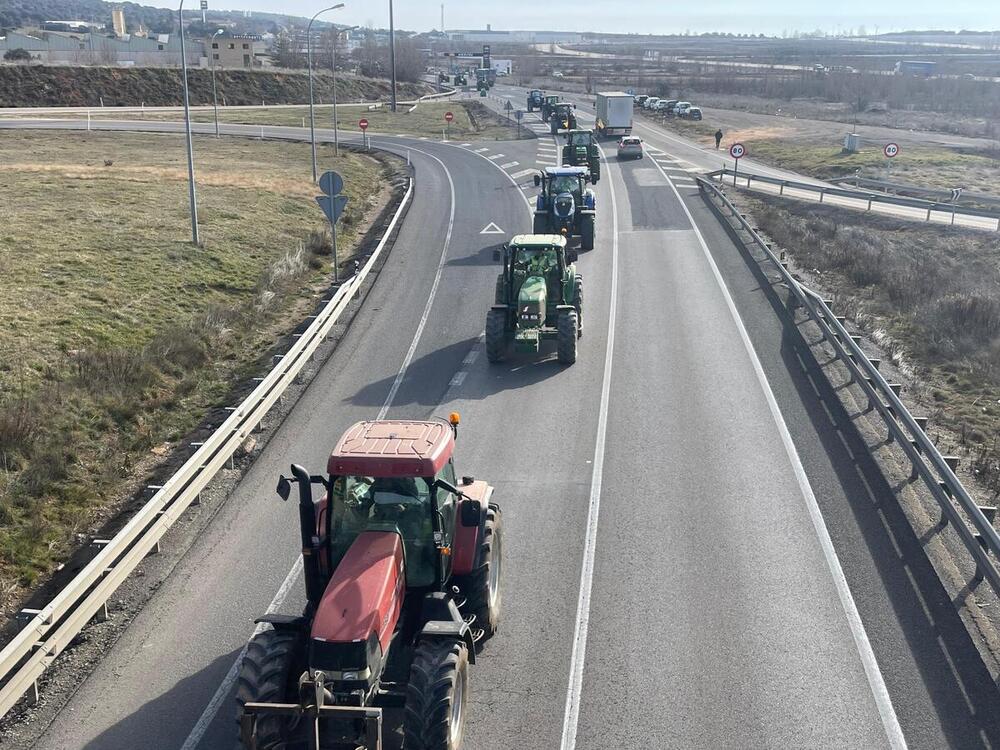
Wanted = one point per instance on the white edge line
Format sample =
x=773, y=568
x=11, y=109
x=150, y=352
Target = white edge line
x=876, y=682
x=574, y=689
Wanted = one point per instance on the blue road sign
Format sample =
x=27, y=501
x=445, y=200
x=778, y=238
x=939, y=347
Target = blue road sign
x=331, y=183
x=333, y=206
x=630, y=92
x=519, y=114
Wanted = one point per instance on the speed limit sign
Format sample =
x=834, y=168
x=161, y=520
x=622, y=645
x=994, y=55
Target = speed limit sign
x=890, y=150
x=737, y=150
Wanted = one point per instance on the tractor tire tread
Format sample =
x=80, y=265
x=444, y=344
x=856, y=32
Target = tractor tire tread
x=567, y=337
x=578, y=303
x=263, y=678
x=476, y=585
x=437, y=664
x=496, y=336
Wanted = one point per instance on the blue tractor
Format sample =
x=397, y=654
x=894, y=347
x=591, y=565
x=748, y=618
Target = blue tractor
x=565, y=205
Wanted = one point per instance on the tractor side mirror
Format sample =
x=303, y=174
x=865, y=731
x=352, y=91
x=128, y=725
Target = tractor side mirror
x=538, y=180
x=497, y=254
x=472, y=513
x=284, y=488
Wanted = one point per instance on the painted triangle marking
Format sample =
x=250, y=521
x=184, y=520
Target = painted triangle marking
x=491, y=228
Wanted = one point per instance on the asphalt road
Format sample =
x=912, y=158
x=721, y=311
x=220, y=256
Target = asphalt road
x=698, y=551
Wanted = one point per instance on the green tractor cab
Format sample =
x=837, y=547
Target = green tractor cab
x=581, y=151
x=461, y=80
x=536, y=97
x=539, y=297
x=548, y=103
x=562, y=118
x=565, y=205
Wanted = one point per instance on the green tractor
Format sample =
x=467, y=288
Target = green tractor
x=548, y=103
x=562, y=118
x=581, y=151
x=565, y=204
x=539, y=296
x=461, y=79
x=535, y=99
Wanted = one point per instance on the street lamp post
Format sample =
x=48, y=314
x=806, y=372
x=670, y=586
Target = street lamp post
x=333, y=65
x=392, y=56
x=215, y=92
x=312, y=112
x=187, y=128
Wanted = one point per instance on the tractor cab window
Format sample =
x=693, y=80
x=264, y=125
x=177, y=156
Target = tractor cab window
x=581, y=139
x=400, y=504
x=534, y=261
x=447, y=505
x=566, y=183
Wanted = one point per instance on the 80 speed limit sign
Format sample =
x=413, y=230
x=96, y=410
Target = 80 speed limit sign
x=890, y=150
x=737, y=150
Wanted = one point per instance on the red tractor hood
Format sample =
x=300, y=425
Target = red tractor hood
x=365, y=594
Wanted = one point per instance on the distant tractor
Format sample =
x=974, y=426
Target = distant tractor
x=539, y=296
x=548, y=103
x=402, y=581
x=581, y=150
x=535, y=99
x=562, y=118
x=565, y=204
x=461, y=79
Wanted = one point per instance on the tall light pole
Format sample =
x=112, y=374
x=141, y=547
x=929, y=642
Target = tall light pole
x=215, y=92
x=392, y=56
x=187, y=128
x=312, y=111
x=333, y=65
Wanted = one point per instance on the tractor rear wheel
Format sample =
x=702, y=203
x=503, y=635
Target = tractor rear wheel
x=578, y=303
x=266, y=675
x=587, y=232
x=567, y=336
x=482, y=586
x=434, y=715
x=496, y=335
x=540, y=224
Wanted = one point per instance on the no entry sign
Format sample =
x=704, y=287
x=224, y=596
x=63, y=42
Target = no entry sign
x=448, y=117
x=890, y=150
x=363, y=123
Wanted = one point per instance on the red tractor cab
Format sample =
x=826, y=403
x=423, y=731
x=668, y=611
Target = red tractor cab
x=402, y=572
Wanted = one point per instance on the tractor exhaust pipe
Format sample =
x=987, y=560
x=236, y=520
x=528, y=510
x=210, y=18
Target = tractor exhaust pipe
x=310, y=537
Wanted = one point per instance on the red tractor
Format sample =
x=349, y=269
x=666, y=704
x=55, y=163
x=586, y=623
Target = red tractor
x=402, y=572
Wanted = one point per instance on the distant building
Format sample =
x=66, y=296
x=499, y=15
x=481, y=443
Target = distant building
x=64, y=48
x=517, y=37
x=915, y=68
x=236, y=51
x=118, y=21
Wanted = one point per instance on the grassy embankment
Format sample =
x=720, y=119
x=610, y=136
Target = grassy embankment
x=116, y=334
x=471, y=119
x=929, y=295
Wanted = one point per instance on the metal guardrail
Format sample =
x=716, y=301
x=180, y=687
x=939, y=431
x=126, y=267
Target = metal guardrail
x=53, y=627
x=916, y=190
x=950, y=209
x=971, y=521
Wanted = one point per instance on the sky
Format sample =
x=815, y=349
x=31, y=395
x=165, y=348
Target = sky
x=649, y=16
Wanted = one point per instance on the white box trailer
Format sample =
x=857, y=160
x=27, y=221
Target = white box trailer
x=614, y=113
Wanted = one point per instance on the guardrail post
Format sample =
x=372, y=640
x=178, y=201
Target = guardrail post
x=928, y=215
x=821, y=194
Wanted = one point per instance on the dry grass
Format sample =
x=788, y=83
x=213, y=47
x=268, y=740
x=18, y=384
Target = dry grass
x=929, y=295
x=117, y=334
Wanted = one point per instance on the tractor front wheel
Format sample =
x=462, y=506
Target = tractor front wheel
x=496, y=335
x=587, y=232
x=578, y=303
x=482, y=586
x=266, y=675
x=434, y=715
x=567, y=336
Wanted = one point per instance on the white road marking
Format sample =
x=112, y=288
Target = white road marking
x=491, y=228
x=212, y=709
x=571, y=715
x=523, y=173
x=876, y=682
x=480, y=150
x=495, y=157
x=470, y=358
x=509, y=164
x=459, y=378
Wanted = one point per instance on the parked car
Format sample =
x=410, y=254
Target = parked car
x=630, y=147
x=681, y=108
x=650, y=102
x=666, y=105
x=640, y=99
x=558, y=74
x=693, y=113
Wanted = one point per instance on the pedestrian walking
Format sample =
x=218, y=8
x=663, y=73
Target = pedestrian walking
x=718, y=138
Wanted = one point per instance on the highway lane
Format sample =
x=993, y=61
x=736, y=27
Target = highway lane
x=715, y=620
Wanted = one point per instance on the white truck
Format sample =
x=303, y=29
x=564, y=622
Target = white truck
x=614, y=113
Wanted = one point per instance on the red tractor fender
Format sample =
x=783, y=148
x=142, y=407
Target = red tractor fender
x=465, y=555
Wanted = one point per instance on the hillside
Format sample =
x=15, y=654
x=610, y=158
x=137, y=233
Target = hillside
x=44, y=86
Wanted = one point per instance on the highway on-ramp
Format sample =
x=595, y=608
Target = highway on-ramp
x=699, y=552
